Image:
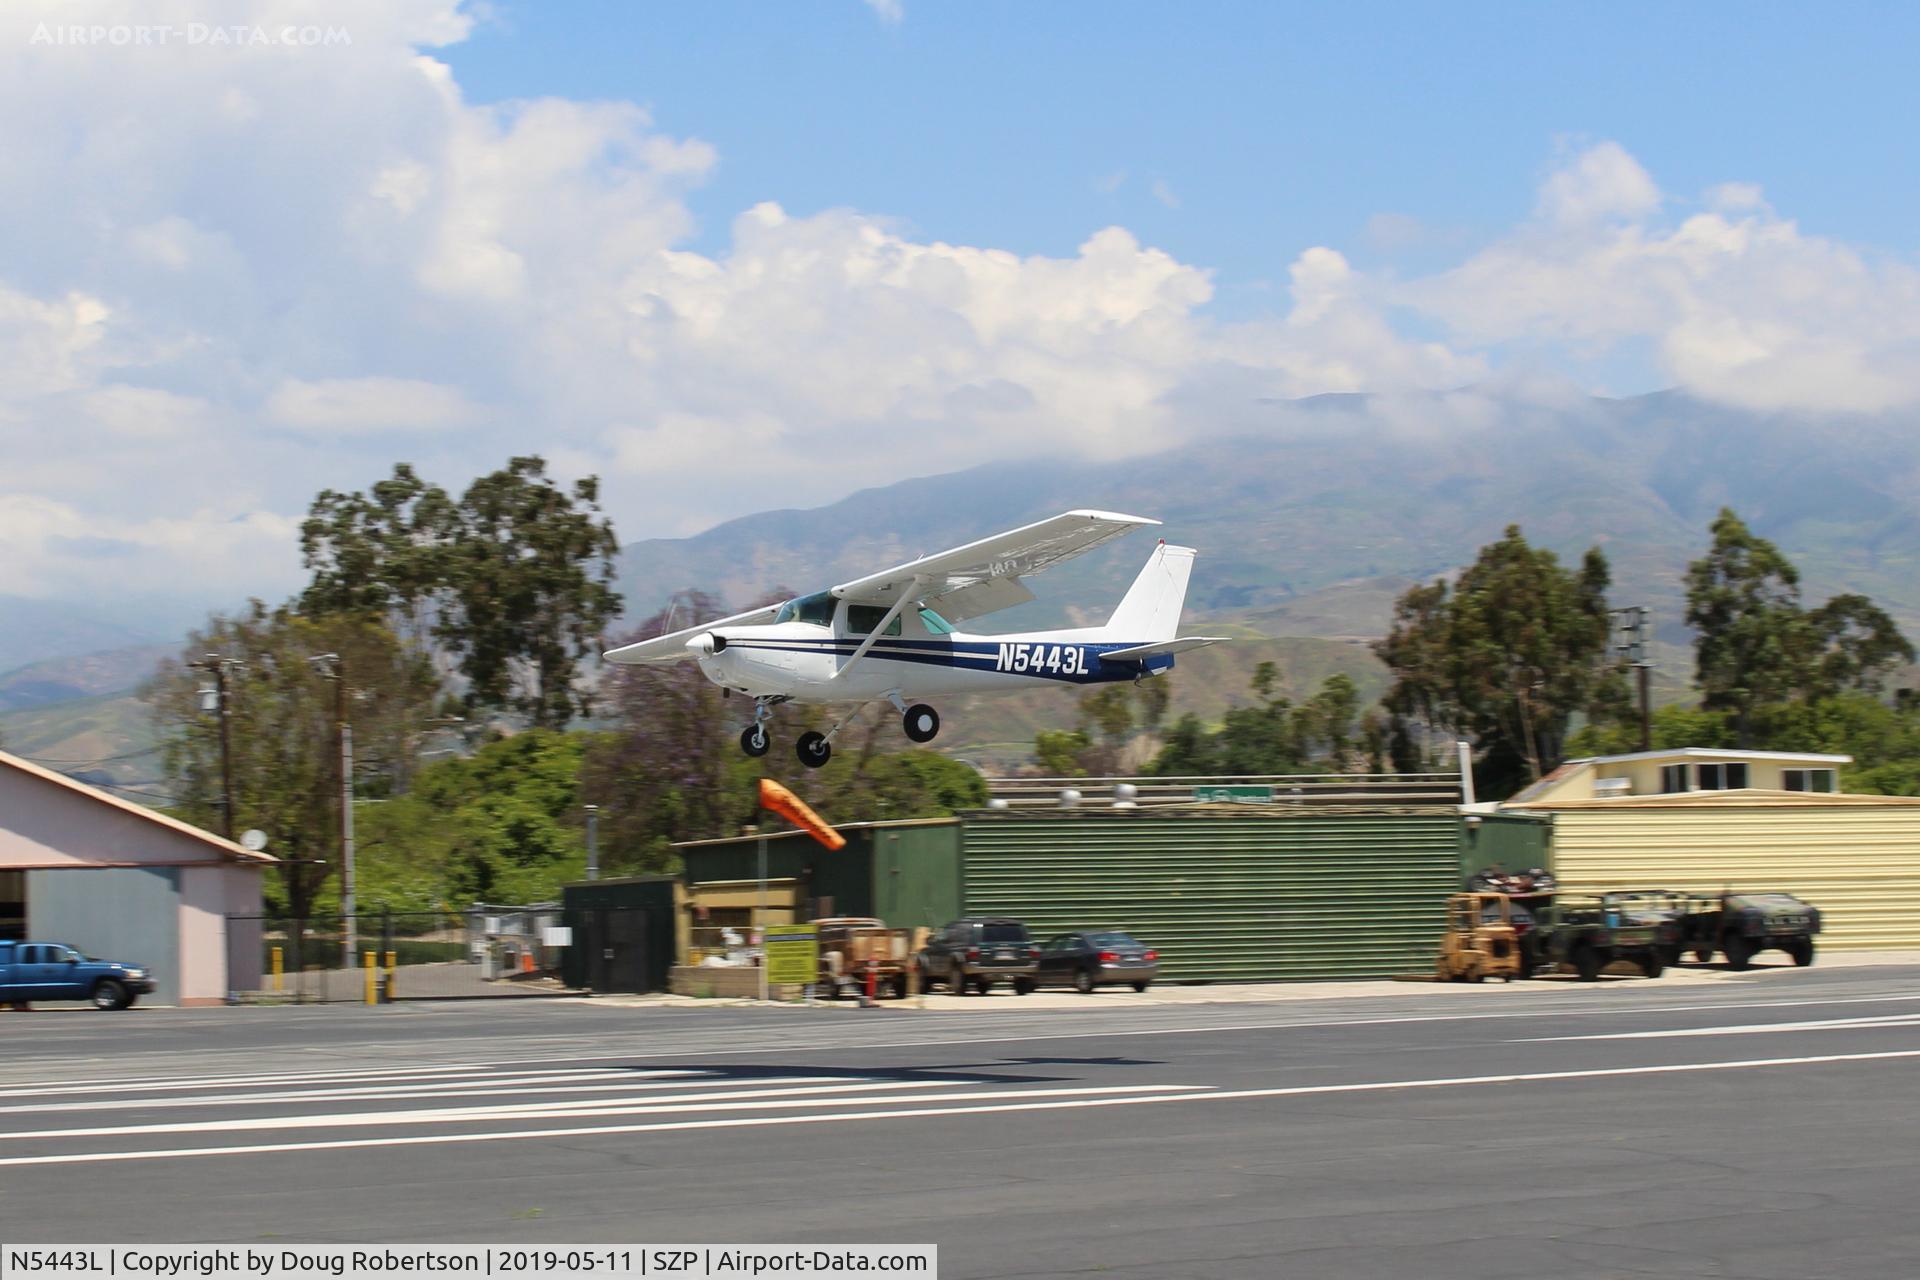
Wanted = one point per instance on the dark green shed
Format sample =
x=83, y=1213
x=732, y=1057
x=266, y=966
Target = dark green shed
x=1228, y=892
x=906, y=873
x=623, y=933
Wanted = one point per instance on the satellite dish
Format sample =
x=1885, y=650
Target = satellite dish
x=253, y=840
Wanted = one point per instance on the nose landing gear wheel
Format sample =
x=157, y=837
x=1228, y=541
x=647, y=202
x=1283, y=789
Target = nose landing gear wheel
x=753, y=740
x=813, y=749
x=921, y=722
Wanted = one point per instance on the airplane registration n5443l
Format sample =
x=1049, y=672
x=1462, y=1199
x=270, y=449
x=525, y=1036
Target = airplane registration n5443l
x=892, y=635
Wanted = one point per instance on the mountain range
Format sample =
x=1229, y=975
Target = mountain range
x=1311, y=517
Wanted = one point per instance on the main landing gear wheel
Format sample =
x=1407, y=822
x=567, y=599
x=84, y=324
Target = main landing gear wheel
x=921, y=722
x=754, y=740
x=813, y=749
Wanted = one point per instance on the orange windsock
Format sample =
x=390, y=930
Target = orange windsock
x=777, y=799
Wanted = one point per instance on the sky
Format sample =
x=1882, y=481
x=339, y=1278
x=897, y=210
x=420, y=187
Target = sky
x=731, y=256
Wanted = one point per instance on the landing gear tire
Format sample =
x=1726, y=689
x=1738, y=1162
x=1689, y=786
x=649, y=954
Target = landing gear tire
x=754, y=740
x=921, y=722
x=813, y=749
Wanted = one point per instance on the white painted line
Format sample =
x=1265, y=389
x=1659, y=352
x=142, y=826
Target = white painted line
x=628, y=1080
x=749, y=1100
x=840, y=1045
x=454, y=1074
x=1889, y=1022
x=742, y=1122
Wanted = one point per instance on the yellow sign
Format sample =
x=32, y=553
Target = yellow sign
x=793, y=953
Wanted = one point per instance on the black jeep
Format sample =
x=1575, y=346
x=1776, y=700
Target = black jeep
x=1591, y=932
x=1741, y=925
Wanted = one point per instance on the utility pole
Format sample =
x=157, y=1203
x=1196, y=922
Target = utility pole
x=216, y=666
x=329, y=665
x=593, y=842
x=1635, y=626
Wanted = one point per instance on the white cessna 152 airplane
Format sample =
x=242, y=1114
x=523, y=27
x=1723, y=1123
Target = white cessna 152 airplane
x=890, y=635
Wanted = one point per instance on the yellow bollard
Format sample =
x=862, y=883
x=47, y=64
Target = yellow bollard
x=372, y=973
x=393, y=968
x=278, y=970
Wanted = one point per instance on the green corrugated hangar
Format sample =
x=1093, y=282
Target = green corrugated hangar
x=1225, y=892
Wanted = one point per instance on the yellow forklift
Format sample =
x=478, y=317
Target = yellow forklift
x=1483, y=939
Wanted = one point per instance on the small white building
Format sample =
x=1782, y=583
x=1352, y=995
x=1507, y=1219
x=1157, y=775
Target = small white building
x=1683, y=769
x=123, y=882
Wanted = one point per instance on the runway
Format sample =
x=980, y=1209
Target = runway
x=1760, y=1128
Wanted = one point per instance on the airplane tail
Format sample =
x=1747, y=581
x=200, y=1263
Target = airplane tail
x=1151, y=610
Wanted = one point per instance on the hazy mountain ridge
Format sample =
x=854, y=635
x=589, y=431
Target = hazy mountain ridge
x=1347, y=489
x=1309, y=524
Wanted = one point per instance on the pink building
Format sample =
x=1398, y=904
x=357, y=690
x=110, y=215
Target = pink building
x=123, y=882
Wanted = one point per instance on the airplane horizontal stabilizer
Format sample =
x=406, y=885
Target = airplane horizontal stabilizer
x=1140, y=652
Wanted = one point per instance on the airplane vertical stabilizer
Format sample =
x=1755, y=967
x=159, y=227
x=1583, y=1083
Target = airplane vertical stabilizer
x=1151, y=609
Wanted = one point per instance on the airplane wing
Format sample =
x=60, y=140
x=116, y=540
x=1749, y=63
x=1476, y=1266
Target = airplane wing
x=985, y=576
x=1159, y=647
x=672, y=646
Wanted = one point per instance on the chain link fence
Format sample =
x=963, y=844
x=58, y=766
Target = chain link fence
x=485, y=951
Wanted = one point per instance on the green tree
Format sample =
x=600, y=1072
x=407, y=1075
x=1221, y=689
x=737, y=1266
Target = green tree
x=384, y=552
x=281, y=716
x=1507, y=656
x=503, y=825
x=513, y=581
x=531, y=573
x=1757, y=648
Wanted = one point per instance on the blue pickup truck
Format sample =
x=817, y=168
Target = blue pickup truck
x=54, y=971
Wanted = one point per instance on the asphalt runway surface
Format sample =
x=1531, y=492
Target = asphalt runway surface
x=1761, y=1128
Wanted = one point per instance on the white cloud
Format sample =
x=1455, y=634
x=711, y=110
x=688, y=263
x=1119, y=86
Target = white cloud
x=890, y=12
x=348, y=406
x=1740, y=304
x=275, y=270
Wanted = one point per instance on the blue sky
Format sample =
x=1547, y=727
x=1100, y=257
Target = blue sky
x=727, y=256
x=1274, y=126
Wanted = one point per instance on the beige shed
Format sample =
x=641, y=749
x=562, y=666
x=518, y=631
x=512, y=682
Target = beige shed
x=1855, y=857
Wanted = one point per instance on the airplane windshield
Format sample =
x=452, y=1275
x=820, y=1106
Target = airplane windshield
x=935, y=624
x=817, y=609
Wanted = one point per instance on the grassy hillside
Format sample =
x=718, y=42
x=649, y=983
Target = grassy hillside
x=106, y=739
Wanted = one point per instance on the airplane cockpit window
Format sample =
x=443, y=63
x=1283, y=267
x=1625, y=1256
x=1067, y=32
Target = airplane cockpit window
x=817, y=609
x=863, y=618
x=935, y=624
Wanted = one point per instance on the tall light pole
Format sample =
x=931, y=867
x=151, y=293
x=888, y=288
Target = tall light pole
x=329, y=665
x=1635, y=625
x=216, y=666
x=593, y=842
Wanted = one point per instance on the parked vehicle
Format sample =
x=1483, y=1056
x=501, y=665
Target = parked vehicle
x=854, y=947
x=1484, y=939
x=974, y=953
x=1097, y=958
x=1658, y=906
x=1590, y=932
x=54, y=971
x=1740, y=925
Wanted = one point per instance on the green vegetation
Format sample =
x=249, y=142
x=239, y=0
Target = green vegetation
x=1506, y=657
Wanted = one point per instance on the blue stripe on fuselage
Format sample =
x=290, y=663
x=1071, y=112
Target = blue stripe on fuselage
x=1064, y=662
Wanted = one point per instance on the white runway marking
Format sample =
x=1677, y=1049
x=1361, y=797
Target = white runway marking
x=1009, y=1100
x=1890, y=1022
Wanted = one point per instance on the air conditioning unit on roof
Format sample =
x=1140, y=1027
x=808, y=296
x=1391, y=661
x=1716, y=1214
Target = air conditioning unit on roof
x=1605, y=787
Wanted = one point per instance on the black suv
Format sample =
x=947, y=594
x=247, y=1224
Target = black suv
x=975, y=952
